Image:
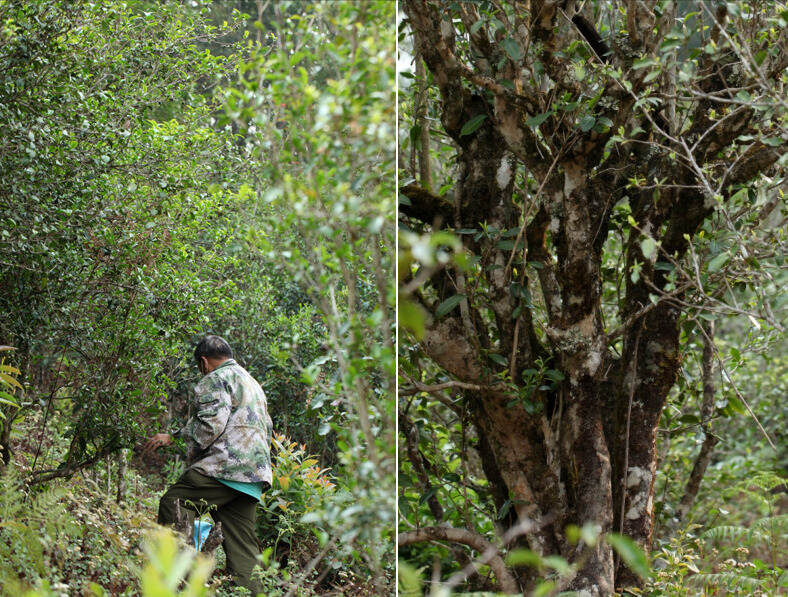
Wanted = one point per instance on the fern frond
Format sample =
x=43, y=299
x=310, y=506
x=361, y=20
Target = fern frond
x=730, y=533
x=763, y=480
x=726, y=580
x=772, y=524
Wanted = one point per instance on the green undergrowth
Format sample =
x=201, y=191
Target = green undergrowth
x=72, y=537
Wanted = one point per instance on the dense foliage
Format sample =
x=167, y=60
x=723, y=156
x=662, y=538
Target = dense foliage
x=172, y=169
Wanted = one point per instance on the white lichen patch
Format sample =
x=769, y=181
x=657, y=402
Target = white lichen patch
x=575, y=300
x=555, y=302
x=572, y=178
x=635, y=511
x=637, y=476
x=504, y=173
x=555, y=225
x=592, y=362
x=447, y=29
x=640, y=502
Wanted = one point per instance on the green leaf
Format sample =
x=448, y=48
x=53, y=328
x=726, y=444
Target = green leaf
x=689, y=419
x=473, y=124
x=649, y=247
x=719, y=261
x=736, y=405
x=557, y=563
x=10, y=381
x=408, y=581
x=664, y=266
x=499, y=359
x=554, y=374
x=535, y=121
x=634, y=272
x=544, y=588
x=6, y=398
x=586, y=123
x=415, y=131
x=448, y=305
x=644, y=62
x=523, y=557
x=412, y=316
x=589, y=533
x=512, y=49
x=744, y=96
x=476, y=26
x=670, y=44
x=629, y=551
x=428, y=494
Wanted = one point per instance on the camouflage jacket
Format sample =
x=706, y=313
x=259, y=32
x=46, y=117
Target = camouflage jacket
x=228, y=434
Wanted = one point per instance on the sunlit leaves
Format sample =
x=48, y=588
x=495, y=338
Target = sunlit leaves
x=326, y=177
x=115, y=240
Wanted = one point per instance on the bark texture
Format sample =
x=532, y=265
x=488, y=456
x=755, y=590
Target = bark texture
x=583, y=449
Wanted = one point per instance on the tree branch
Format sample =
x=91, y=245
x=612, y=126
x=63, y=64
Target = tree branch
x=426, y=206
x=490, y=554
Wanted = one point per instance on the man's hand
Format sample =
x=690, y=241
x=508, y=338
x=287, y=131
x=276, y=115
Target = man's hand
x=157, y=441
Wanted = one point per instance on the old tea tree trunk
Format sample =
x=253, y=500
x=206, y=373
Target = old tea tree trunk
x=573, y=150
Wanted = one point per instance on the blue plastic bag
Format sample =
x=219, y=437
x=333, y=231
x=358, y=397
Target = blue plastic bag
x=201, y=530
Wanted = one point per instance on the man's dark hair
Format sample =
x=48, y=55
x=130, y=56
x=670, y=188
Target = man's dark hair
x=212, y=347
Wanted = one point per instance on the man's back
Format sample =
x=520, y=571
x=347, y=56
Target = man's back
x=229, y=432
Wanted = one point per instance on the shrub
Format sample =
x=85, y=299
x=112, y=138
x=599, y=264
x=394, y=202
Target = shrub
x=299, y=487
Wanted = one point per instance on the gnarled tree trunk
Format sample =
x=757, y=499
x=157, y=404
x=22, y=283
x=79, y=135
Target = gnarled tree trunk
x=583, y=449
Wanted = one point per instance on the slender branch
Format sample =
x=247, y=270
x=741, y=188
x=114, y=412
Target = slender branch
x=473, y=540
x=419, y=387
x=739, y=395
x=632, y=385
x=706, y=412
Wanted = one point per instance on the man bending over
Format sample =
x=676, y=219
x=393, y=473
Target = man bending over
x=228, y=437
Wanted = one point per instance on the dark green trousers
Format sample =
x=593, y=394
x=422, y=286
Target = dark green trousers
x=236, y=512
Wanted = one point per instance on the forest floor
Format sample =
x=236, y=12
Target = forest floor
x=77, y=536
